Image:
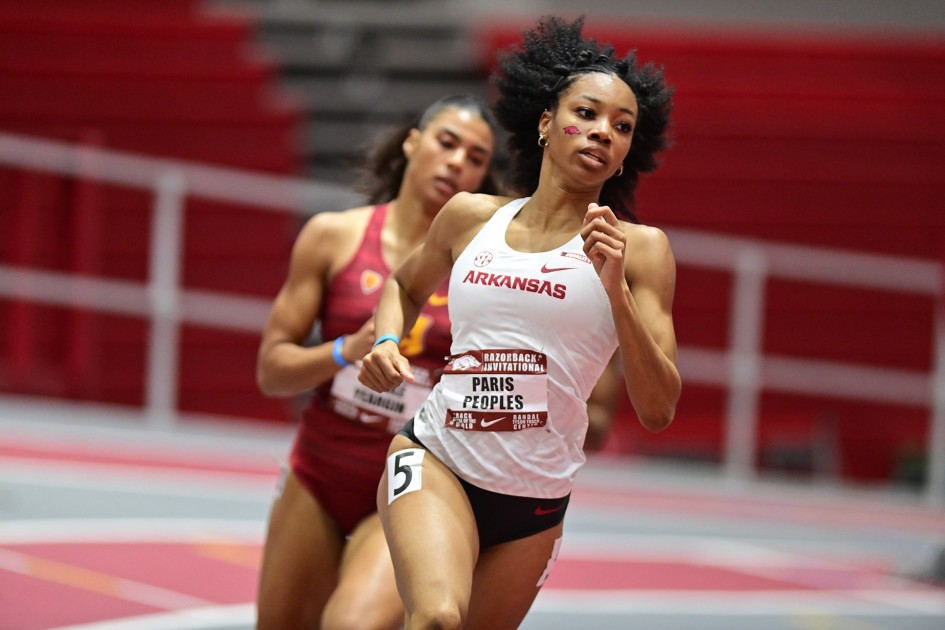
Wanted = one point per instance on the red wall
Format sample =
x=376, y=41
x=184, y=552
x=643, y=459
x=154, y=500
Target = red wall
x=160, y=78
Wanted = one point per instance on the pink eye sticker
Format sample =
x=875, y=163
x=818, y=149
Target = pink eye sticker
x=571, y=130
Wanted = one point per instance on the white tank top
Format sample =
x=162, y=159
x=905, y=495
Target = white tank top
x=532, y=333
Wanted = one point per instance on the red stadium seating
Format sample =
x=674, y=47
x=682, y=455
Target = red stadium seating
x=154, y=77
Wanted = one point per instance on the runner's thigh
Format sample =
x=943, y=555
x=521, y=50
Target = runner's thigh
x=508, y=577
x=366, y=596
x=430, y=529
x=300, y=560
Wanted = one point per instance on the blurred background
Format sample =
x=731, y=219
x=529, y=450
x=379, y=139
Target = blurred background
x=157, y=158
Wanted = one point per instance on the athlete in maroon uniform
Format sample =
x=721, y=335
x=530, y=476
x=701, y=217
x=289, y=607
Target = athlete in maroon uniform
x=345, y=431
x=326, y=563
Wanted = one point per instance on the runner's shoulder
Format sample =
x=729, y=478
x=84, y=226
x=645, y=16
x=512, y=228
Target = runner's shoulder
x=466, y=209
x=332, y=227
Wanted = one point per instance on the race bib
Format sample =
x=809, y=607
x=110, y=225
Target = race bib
x=404, y=472
x=496, y=390
x=390, y=410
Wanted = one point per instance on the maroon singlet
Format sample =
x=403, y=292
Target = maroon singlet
x=342, y=441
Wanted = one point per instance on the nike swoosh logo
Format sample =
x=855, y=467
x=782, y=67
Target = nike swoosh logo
x=540, y=511
x=546, y=269
x=489, y=423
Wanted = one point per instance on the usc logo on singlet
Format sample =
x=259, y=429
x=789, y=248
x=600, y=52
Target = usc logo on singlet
x=371, y=281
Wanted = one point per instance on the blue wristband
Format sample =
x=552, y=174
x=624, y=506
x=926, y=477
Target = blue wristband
x=336, y=352
x=393, y=338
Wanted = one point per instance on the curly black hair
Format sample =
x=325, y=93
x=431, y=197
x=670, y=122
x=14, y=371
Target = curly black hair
x=383, y=172
x=529, y=80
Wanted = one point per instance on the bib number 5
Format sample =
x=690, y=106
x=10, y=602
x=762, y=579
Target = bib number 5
x=404, y=472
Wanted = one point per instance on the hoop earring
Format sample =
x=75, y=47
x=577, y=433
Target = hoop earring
x=619, y=171
x=542, y=141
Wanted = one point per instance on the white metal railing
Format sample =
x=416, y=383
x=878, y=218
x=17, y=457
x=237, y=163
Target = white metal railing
x=743, y=369
x=746, y=371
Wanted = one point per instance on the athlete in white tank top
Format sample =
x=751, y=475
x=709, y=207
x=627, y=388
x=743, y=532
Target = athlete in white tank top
x=509, y=414
x=542, y=291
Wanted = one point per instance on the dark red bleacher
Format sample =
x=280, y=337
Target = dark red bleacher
x=163, y=79
x=787, y=110
x=257, y=145
x=822, y=138
x=101, y=11
x=101, y=41
x=142, y=97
